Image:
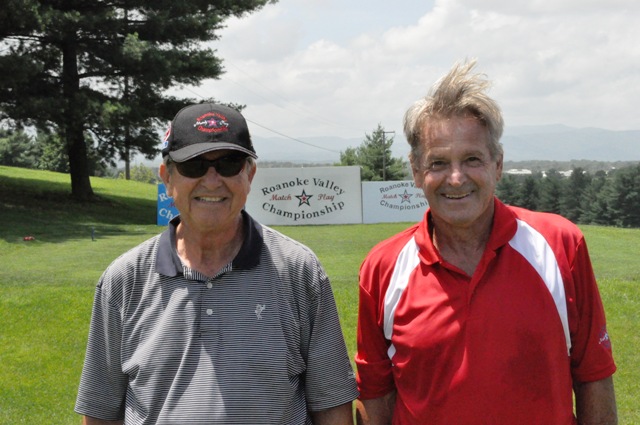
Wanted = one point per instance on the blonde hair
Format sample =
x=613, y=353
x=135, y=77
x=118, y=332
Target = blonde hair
x=458, y=94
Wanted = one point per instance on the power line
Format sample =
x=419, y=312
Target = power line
x=272, y=130
x=307, y=112
x=292, y=138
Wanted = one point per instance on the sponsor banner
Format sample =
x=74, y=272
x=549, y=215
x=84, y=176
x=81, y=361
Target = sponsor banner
x=392, y=201
x=166, y=207
x=301, y=196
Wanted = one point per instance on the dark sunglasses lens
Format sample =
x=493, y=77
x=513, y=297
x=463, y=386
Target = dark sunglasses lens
x=226, y=166
x=193, y=168
x=229, y=165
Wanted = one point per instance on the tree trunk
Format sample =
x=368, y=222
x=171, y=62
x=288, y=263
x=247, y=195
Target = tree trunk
x=127, y=131
x=78, y=167
x=127, y=162
x=127, y=152
x=73, y=124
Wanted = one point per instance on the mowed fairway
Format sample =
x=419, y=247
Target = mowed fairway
x=47, y=285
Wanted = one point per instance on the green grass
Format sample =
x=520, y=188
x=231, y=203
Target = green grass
x=614, y=253
x=46, y=285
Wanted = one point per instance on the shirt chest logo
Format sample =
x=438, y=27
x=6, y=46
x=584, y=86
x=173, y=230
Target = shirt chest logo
x=259, y=309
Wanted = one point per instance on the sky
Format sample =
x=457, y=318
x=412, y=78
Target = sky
x=313, y=68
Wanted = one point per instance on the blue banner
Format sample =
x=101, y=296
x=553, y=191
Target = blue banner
x=166, y=207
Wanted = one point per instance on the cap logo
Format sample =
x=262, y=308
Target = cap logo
x=211, y=122
x=165, y=139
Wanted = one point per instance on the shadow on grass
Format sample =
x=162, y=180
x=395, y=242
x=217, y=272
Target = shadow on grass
x=46, y=210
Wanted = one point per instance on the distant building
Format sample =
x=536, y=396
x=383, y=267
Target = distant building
x=518, y=172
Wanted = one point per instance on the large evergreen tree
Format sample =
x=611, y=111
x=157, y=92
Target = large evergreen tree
x=550, y=192
x=374, y=158
x=574, y=190
x=595, y=202
x=528, y=196
x=507, y=189
x=76, y=67
x=624, y=198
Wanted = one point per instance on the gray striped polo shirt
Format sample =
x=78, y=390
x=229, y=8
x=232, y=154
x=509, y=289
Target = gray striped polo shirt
x=260, y=343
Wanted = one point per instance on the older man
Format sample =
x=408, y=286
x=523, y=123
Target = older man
x=218, y=320
x=481, y=313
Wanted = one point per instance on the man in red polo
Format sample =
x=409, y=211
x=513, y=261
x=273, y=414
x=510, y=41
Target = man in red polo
x=481, y=313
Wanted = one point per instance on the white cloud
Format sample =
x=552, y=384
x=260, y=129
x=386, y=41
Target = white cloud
x=329, y=68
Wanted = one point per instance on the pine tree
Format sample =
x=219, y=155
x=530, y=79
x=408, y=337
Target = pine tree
x=101, y=68
x=595, y=205
x=528, y=196
x=508, y=189
x=574, y=191
x=550, y=190
x=624, y=200
x=374, y=158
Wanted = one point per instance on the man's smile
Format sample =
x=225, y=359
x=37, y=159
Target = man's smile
x=456, y=195
x=210, y=199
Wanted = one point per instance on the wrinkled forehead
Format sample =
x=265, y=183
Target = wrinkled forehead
x=447, y=129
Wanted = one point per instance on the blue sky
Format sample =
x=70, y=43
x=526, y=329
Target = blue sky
x=307, y=68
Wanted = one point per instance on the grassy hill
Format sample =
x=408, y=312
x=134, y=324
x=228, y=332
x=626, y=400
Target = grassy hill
x=47, y=284
x=39, y=202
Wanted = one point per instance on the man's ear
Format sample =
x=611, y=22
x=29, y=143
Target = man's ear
x=252, y=171
x=417, y=175
x=499, y=164
x=418, y=178
x=165, y=175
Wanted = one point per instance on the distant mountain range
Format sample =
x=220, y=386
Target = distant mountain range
x=562, y=143
x=524, y=143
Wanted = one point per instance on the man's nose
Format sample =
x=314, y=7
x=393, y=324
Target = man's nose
x=456, y=174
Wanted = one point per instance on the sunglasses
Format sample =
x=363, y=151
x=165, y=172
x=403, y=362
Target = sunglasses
x=226, y=166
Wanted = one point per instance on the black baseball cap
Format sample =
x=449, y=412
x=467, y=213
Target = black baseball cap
x=206, y=127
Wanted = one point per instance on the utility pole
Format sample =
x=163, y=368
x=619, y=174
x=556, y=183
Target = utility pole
x=384, y=154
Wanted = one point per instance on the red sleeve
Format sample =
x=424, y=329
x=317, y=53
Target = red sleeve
x=374, y=377
x=591, y=355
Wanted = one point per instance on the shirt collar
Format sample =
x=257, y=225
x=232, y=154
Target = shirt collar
x=168, y=262
x=503, y=229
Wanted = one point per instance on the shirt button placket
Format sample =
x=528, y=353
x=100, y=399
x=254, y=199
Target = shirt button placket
x=208, y=310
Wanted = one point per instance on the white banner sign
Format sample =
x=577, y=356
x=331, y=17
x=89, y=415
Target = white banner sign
x=301, y=196
x=389, y=202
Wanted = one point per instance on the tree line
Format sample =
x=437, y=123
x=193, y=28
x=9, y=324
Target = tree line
x=602, y=197
x=608, y=198
x=47, y=152
x=44, y=151
x=587, y=194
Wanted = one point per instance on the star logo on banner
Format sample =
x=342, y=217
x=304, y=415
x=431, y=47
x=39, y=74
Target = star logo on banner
x=304, y=198
x=406, y=197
